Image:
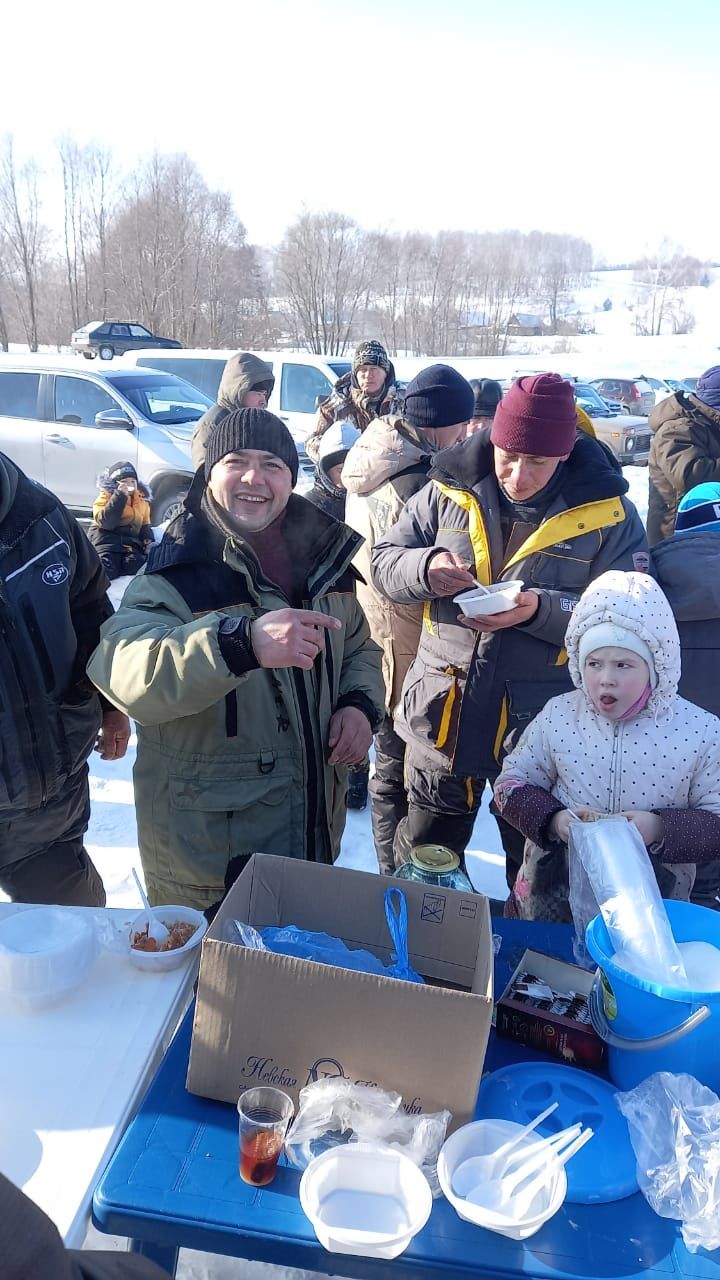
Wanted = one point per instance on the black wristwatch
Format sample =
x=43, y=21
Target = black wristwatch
x=235, y=642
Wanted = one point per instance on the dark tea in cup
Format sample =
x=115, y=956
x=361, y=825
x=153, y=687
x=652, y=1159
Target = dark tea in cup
x=264, y=1115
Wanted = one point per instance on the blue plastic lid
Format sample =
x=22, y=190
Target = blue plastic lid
x=604, y=1169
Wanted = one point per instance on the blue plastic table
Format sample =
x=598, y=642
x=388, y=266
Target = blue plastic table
x=173, y=1182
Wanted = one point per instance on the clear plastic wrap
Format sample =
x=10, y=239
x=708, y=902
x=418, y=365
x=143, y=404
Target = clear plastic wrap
x=674, y=1124
x=621, y=879
x=335, y=1111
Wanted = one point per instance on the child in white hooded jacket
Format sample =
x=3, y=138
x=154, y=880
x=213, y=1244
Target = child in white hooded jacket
x=623, y=741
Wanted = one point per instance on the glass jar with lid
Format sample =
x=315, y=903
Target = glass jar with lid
x=436, y=865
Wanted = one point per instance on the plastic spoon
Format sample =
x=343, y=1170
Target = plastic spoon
x=475, y=1170
x=156, y=928
x=484, y=1166
x=508, y=1196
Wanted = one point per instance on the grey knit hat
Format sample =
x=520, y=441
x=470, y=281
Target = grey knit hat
x=251, y=429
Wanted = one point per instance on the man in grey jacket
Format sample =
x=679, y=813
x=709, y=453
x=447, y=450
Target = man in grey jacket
x=529, y=498
x=247, y=383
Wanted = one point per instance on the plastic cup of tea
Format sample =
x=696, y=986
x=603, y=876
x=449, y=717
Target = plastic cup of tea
x=265, y=1114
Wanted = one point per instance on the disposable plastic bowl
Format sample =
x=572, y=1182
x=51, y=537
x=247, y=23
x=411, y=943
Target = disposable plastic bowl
x=161, y=961
x=498, y=599
x=45, y=953
x=365, y=1200
x=481, y=1138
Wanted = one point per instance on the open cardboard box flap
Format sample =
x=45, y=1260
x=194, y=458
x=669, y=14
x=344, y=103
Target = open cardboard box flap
x=267, y=1018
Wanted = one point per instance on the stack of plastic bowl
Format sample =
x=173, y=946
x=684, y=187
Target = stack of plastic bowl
x=481, y=1138
x=45, y=953
x=161, y=961
x=365, y=1200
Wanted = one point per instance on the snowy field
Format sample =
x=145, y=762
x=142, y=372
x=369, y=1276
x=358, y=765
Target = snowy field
x=112, y=844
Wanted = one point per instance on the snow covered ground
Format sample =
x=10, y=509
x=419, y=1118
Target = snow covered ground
x=112, y=844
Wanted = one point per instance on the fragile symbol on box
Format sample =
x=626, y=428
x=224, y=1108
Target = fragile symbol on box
x=468, y=908
x=433, y=907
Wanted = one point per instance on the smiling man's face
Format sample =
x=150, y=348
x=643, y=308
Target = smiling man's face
x=253, y=486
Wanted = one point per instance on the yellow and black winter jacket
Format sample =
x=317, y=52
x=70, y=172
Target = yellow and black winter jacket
x=468, y=693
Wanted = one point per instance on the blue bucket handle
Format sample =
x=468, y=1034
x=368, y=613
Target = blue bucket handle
x=598, y=1018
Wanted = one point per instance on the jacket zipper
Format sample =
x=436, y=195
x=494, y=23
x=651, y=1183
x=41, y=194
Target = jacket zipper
x=30, y=723
x=615, y=771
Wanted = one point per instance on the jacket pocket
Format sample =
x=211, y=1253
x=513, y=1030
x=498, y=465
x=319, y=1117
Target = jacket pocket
x=567, y=566
x=431, y=707
x=211, y=820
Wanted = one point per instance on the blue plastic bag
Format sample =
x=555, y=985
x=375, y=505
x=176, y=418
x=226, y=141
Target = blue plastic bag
x=288, y=940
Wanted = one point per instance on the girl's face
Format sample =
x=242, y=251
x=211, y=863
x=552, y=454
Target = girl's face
x=614, y=679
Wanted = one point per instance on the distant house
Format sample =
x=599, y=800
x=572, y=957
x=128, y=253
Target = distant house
x=526, y=325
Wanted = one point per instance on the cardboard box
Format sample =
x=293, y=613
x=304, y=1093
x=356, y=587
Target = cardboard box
x=567, y=1038
x=262, y=1018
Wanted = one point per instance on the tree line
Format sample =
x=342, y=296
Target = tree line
x=158, y=246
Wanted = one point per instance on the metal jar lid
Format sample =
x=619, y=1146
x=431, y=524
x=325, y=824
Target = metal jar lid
x=435, y=858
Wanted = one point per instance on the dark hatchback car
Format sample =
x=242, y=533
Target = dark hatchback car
x=108, y=338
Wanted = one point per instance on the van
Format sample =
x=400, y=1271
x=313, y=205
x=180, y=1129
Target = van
x=63, y=427
x=301, y=381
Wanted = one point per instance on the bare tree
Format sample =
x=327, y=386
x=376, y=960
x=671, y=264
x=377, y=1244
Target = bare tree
x=661, y=275
x=326, y=267
x=23, y=235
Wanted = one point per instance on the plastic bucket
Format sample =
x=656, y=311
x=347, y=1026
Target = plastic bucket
x=650, y=1027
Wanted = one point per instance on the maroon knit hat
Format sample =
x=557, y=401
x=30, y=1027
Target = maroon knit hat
x=537, y=416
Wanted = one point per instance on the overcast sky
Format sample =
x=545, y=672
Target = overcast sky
x=597, y=119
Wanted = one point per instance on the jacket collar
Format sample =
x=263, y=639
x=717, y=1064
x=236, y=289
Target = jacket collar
x=25, y=506
x=587, y=476
x=322, y=544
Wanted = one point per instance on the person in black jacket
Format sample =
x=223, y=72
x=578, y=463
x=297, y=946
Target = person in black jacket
x=52, y=603
x=686, y=567
x=31, y=1248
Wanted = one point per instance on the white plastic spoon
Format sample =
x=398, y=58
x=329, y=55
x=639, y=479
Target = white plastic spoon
x=156, y=928
x=484, y=1166
x=509, y=1196
x=475, y=1170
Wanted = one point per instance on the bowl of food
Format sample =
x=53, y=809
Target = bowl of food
x=186, y=930
x=45, y=953
x=483, y=602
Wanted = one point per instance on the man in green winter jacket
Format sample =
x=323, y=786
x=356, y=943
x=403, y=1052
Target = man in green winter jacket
x=244, y=657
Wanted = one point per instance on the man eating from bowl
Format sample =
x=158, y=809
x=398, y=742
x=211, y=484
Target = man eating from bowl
x=527, y=498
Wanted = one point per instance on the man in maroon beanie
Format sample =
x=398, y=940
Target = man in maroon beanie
x=530, y=498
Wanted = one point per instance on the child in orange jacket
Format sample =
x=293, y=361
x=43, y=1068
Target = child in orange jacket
x=120, y=530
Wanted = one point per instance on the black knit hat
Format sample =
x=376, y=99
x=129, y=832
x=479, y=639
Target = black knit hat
x=370, y=353
x=251, y=429
x=488, y=395
x=438, y=397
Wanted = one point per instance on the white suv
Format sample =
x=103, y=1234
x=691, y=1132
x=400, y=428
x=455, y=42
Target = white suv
x=63, y=427
x=301, y=383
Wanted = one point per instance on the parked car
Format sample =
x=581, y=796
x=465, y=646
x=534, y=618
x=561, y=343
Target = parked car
x=676, y=384
x=626, y=434
x=635, y=394
x=301, y=382
x=108, y=338
x=64, y=426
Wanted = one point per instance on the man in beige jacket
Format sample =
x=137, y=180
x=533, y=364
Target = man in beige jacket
x=387, y=465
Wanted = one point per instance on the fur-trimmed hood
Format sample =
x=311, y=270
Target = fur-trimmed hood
x=635, y=602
